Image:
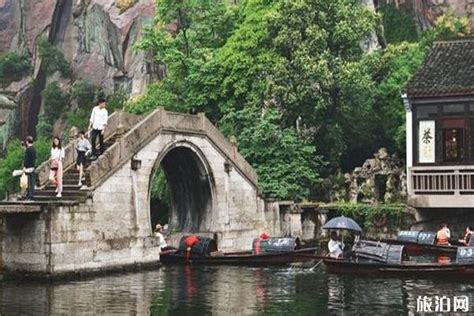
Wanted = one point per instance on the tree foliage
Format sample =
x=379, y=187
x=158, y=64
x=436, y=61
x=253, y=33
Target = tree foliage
x=13, y=67
x=54, y=101
x=83, y=92
x=52, y=59
x=289, y=79
x=13, y=160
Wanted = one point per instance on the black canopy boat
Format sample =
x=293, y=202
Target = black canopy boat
x=371, y=257
x=424, y=242
x=272, y=251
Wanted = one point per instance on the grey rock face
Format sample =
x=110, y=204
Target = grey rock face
x=380, y=179
x=95, y=36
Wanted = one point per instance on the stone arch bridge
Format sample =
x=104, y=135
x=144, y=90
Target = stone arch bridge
x=107, y=223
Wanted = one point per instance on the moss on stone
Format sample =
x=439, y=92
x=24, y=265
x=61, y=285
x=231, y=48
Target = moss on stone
x=124, y=5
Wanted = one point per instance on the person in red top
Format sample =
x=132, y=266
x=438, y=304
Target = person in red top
x=261, y=237
x=190, y=242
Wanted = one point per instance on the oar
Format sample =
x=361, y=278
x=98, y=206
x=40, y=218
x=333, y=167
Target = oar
x=316, y=265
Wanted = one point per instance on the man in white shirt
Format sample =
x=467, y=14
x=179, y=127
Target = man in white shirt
x=334, y=246
x=98, y=123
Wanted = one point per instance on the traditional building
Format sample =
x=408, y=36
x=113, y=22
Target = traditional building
x=440, y=128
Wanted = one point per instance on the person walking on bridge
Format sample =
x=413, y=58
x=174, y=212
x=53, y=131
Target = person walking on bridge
x=83, y=146
x=29, y=167
x=97, y=125
x=57, y=157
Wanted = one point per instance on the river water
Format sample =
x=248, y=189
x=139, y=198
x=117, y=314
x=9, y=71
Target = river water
x=226, y=290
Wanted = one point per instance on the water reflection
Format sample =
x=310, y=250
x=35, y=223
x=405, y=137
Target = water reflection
x=198, y=290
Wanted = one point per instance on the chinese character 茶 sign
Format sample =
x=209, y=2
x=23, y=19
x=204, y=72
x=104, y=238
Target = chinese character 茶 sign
x=426, y=142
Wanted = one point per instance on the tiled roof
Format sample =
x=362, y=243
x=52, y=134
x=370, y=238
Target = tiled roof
x=447, y=71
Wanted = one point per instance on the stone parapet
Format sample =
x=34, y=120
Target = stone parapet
x=118, y=121
x=162, y=121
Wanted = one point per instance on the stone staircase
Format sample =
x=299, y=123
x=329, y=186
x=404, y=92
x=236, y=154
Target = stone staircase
x=119, y=123
x=126, y=134
x=71, y=190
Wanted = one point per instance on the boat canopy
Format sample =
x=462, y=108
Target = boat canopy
x=417, y=237
x=379, y=252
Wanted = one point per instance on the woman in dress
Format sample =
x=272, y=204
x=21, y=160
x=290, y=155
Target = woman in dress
x=57, y=157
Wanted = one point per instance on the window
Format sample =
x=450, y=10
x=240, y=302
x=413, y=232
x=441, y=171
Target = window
x=453, y=109
x=453, y=134
x=453, y=144
x=471, y=109
x=426, y=111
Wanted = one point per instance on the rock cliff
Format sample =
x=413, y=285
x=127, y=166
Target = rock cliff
x=95, y=36
x=425, y=12
x=381, y=179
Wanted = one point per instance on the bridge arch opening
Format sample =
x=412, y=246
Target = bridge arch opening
x=181, y=189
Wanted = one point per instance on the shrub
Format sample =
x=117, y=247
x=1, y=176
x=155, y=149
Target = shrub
x=116, y=100
x=13, y=67
x=79, y=119
x=53, y=59
x=54, y=101
x=14, y=161
x=367, y=215
x=83, y=92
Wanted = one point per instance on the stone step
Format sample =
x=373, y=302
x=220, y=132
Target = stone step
x=65, y=192
x=68, y=187
x=72, y=176
x=40, y=198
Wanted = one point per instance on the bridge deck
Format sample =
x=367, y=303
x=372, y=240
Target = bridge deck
x=29, y=207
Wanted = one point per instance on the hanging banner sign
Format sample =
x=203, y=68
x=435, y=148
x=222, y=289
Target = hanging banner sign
x=426, y=142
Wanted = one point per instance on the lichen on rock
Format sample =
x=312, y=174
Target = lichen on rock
x=124, y=5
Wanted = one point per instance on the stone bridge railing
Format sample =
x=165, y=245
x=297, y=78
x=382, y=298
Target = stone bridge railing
x=117, y=121
x=162, y=121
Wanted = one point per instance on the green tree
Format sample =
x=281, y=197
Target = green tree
x=287, y=165
x=52, y=59
x=13, y=160
x=54, y=101
x=303, y=57
x=187, y=53
x=13, y=67
x=398, y=25
x=83, y=92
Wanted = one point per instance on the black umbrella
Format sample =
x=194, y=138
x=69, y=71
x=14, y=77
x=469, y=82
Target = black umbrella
x=342, y=223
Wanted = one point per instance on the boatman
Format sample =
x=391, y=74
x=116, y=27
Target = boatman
x=467, y=236
x=258, y=243
x=189, y=243
x=443, y=235
x=335, y=247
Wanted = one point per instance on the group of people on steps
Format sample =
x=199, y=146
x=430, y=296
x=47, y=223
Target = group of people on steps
x=97, y=126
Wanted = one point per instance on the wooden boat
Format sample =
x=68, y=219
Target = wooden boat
x=421, y=242
x=243, y=258
x=381, y=258
x=404, y=268
x=273, y=251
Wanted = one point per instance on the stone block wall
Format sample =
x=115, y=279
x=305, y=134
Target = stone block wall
x=237, y=214
x=74, y=238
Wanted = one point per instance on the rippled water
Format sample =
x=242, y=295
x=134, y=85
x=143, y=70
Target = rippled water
x=198, y=290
